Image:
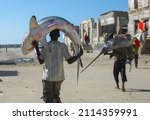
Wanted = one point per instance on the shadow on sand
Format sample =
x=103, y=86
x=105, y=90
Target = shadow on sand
x=8, y=73
x=143, y=67
x=138, y=90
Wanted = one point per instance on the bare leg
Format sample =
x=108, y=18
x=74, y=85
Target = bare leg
x=123, y=87
x=117, y=87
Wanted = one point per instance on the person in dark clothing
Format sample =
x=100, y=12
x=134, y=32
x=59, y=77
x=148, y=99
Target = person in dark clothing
x=86, y=38
x=121, y=56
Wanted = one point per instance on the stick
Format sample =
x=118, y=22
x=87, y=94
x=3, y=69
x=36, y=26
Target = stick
x=91, y=62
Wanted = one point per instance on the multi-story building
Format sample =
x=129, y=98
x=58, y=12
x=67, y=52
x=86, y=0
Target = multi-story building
x=110, y=22
x=90, y=29
x=114, y=22
x=139, y=20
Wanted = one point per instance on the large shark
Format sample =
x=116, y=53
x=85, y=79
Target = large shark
x=39, y=29
x=114, y=43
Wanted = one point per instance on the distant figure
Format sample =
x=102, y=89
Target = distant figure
x=136, y=46
x=86, y=38
x=53, y=70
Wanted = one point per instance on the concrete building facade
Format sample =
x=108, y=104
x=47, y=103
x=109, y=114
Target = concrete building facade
x=139, y=10
x=90, y=28
x=139, y=21
x=114, y=22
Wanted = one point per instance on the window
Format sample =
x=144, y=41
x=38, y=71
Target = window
x=135, y=4
x=146, y=25
x=136, y=23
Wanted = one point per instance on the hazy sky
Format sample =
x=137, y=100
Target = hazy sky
x=15, y=14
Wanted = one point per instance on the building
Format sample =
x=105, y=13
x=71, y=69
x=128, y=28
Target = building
x=110, y=22
x=139, y=11
x=90, y=29
x=139, y=21
x=114, y=22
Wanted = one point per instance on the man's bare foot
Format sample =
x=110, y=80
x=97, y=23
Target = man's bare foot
x=123, y=89
x=117, y=87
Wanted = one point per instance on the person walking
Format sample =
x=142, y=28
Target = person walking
x=136, y=46
x=121, y=56
x=53, y=70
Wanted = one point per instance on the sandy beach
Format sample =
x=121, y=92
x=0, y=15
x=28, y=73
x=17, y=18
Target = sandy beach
x=21, y=83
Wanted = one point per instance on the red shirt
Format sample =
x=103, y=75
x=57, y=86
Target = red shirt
x=137, y=43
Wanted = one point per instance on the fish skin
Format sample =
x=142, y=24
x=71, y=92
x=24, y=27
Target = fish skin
x=114, y=43
x=43, y=27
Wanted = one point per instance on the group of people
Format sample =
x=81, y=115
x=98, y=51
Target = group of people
x=53, y=70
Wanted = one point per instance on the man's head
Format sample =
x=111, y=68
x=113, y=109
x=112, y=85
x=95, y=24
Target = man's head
x=54, y=34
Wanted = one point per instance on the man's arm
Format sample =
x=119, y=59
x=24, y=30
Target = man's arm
x=111, y=54
x=35, y=44
x=74, y=58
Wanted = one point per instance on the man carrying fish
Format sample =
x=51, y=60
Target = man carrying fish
x=119, y=47
x=53, y=70
x=122, y=54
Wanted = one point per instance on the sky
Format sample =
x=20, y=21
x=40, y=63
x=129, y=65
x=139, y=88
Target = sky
x=15, y=14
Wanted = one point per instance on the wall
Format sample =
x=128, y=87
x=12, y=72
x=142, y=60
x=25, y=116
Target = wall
x=138, y=10
x=109, y=21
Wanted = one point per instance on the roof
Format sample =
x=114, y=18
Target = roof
x=113, y=11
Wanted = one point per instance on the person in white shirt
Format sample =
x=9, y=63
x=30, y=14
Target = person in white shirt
x=53, y=70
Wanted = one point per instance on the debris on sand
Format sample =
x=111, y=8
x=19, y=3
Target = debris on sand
x=16, y=61
x=1, y=80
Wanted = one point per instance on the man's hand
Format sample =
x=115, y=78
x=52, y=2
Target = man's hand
x=111, y=54
x=130, y=63
x=35, y=43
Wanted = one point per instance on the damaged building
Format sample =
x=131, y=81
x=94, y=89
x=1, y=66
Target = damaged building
x=89, y=33
x=114, y=22
x=139, y=22
x=135, y=22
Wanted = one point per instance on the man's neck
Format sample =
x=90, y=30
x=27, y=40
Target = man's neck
x=54, y=40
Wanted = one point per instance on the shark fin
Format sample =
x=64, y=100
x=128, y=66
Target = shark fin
x=33, y=23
